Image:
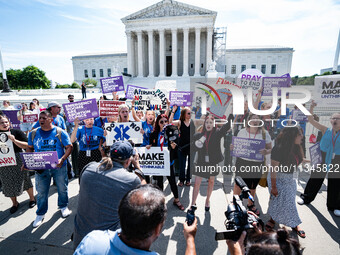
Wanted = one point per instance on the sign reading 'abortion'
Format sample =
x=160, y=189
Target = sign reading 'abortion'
x=112, y=84
x=40, y=160
x=248, y=148
x=154, y=161
x=82, y=110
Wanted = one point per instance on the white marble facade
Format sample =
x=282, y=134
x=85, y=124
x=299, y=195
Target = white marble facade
x=98, y=66
x=271, y=60
x=169, y=38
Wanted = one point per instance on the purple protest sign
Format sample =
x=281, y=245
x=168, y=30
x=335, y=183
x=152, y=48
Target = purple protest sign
x=82, y=110
x=248, y=148
x=40, y=160
x=13, y=117
x=181, y=98
x=299, y=115
x=130, y=91
x=315, y=155
x=112, y=84
x=274, y=82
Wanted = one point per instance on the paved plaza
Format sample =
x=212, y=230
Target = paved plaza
x=17, y=235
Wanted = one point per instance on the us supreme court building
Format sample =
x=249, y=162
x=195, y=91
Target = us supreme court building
x=174, y=40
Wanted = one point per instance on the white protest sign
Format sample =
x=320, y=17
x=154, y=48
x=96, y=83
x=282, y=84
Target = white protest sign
x=123, y=131
x=154, y=161
x=327, y=90
x=150, y=99
x=250, y=78
x=7, y=154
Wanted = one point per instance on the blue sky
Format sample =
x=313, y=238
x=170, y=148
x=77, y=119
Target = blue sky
x=47, y=33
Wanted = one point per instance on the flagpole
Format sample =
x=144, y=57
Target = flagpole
x=4, y=76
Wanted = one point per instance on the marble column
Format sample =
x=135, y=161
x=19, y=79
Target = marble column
x=130, y=53
x=209, y=46
x=185, y=51
x=197, y=51
x=151, y=64
x=174, y=52
x=140, y=53
x=161, y=53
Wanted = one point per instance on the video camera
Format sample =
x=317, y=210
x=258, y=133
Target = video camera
x=237, y=216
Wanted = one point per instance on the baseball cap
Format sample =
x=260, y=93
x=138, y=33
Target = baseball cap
x=53, y=103
x=122, y=150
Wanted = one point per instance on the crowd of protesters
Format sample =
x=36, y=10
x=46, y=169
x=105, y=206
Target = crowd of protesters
x=106, y=174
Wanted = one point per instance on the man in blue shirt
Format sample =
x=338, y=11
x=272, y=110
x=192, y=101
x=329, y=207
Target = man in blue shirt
x=58, y=121
x=50, y=138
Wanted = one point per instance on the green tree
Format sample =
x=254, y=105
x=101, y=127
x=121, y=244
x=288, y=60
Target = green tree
x=75, y=85
x=34, y=78
x=90, y=81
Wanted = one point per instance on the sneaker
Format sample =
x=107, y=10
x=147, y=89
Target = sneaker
x=300, y=201
x=38, y=220
x=65, y=212
x=337, y=212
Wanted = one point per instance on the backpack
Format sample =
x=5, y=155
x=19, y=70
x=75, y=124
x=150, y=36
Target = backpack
x=59, y=131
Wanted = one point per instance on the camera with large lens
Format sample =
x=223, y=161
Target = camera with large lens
x=237, y=216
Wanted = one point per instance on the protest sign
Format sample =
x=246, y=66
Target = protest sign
x=219, y=110
x=315, y=155
x=40, y=160
x=7, y=154
x=123, y=131
x=112, y=84
x=250, y=78
x=181, y=98
x=299, y=115
x=149, y=99
x=155, y=161
x=130, y=91
x=82, y=110
x=274, y=82
x=248, y=148
x=30, y=118
x=327, y=90
x=109, y=108
x=166, y=86
x=13, y=117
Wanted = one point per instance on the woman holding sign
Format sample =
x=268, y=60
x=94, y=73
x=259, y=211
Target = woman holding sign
x=147, y=125
x=330, y=152
x=286, y=156
x=207, y=144
x=157, y=139
x=253, y=130
x=90, y=140
x=24, y=126
x=14, y=181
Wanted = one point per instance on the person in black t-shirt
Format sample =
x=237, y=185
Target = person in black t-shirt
x=14, y=181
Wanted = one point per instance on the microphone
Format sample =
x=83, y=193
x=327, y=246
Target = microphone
x=243, y=186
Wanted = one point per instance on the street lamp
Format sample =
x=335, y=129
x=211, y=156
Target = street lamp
x=4, y=77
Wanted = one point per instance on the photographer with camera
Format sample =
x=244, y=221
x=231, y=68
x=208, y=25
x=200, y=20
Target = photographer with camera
x=102, y=186
x=244, y=230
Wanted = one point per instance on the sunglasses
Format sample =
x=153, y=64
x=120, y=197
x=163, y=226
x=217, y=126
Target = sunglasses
x=163, y=121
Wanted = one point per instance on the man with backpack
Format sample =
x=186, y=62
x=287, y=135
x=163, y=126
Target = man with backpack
x=48, y=137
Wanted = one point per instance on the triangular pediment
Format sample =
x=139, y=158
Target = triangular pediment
x=168, y=8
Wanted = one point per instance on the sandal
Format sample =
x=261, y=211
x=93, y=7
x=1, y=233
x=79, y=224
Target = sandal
x=253, y=209
x=180, y=184
x=270, y=225
x=179, y=205
x=187, y=183
x=300, y=233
